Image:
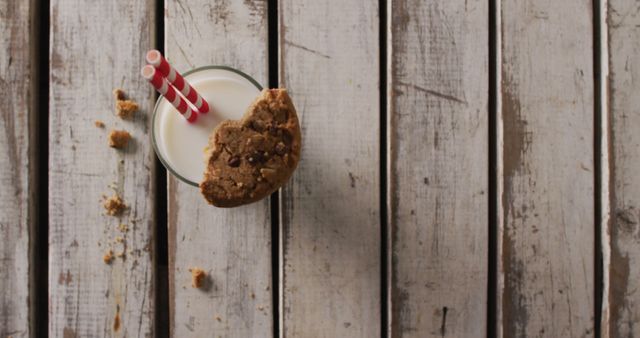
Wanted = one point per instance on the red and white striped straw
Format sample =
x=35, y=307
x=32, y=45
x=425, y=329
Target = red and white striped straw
x=169, y=93
x=155, y=58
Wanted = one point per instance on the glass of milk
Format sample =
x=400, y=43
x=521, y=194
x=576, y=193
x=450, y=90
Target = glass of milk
x=181, y=145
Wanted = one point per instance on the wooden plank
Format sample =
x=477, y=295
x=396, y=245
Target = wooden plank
x=96, y=47
x=330, y=209
x=547, y=111
x=623, y=53
x=16, y=169
x=438, y=137
x=232, y=245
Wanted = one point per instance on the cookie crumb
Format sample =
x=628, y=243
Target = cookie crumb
x=99, y=124
x=114, y=205
x=197, y=277
x=218, y=318
x=126, y=108
x=119, y=239
x=119, y=94
x=253, y=295
x=119, y=138
x=123, y=227
x=108, y=257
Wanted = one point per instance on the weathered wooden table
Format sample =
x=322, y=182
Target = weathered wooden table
x=469, y=169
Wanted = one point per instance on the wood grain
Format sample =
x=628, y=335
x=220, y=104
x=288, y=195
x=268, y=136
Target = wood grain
x=547, y=110
x=623, y=53
x=232, y=245
x=330, y=278
x=96, y=47
x=16, y=168
x=438, y=150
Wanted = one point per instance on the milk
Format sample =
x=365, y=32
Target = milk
x=181, y=145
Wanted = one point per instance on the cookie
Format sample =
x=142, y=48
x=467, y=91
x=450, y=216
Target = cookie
x=251, y=158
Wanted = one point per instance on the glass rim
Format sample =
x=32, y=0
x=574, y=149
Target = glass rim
x=155, y=113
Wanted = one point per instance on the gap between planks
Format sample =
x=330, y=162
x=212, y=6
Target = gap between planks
x=39, y=245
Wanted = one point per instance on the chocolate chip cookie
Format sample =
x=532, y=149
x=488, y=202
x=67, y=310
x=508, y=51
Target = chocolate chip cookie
x=251, y=158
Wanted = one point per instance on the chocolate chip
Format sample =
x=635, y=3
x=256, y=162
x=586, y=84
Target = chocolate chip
x=287, y=137
x=234, y=161
x=255, y=157
x=258, y=125
x=281, y=149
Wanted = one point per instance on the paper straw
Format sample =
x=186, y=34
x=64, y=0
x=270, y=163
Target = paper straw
x=155, y=58
x=166, y=90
